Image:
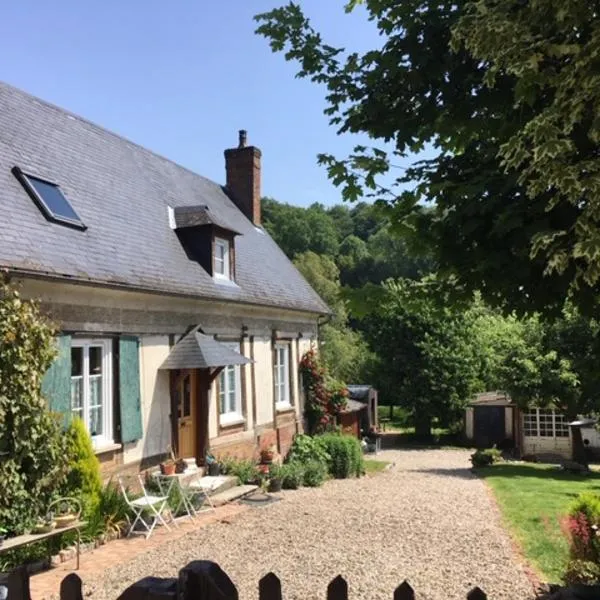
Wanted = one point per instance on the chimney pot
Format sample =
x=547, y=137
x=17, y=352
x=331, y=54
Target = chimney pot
x=243, y=136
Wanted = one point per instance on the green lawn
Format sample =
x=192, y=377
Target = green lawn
x=533, y=499
x=374, y=466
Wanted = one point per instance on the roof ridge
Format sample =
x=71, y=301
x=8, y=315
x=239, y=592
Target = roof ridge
x=87, y=121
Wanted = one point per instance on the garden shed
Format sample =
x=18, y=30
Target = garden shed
x=490, y=419
x=367, y=396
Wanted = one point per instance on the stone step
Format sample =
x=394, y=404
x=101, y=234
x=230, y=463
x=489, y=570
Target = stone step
x=232, y=493
x=218, y=483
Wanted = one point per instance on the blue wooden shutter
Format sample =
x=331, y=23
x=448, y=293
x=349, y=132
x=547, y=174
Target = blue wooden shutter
x=129, y=389
x=56, y=384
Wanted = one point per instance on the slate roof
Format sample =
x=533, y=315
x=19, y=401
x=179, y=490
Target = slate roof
x=191, y=216
x=359, y=391
x=199, y=351
x=122, y=192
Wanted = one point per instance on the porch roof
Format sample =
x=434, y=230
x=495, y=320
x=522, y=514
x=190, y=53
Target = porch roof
x=199, y=351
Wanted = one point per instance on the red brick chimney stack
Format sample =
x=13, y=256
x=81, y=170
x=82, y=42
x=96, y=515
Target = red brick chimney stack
x=242, y=165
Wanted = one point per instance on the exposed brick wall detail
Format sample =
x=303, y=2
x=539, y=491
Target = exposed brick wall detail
x=242, y=165
x=243, y=449
x=285, y=436
x=267, y=438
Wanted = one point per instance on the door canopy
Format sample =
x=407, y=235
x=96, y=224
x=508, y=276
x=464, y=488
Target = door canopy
x=199, y=351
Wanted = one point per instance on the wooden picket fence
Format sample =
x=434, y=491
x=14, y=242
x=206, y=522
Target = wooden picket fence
x=199, y=580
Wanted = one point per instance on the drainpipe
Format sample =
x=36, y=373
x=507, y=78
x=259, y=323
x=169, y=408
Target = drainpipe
x=326, y=319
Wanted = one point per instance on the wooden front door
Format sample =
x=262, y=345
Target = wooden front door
x=186, y=414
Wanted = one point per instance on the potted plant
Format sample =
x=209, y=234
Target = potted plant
x=45, y=524
x=66, y=511
x=3, y=533
x=275, y=477
x=212, y=464
x=167, y=467
x=268, y=454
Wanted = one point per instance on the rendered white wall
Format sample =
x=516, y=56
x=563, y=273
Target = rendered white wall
x=263, y=366
x=155, y=399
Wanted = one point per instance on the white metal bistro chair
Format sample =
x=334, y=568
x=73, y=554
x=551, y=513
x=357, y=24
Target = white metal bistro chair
x=153, y=505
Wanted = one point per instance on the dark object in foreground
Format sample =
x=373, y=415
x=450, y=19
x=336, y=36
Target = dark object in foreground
x=203, y=580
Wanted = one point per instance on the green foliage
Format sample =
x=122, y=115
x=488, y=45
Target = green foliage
x=32, y=463
x=245, y=470
x=306, y=448
x=588, y=504
x=582, y=572
x=426, y=353
x=345, y=452
x=485, y=458
x=292, y=475
x=315, y=473
x=503, y=96
x=83, y=478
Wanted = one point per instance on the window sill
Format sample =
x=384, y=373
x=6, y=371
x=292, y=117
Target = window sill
x=231, y=421
x=107, y=448
x=225, y=281
x=282, y=407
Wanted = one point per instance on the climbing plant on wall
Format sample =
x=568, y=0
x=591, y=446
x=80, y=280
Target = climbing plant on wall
x=325, y=398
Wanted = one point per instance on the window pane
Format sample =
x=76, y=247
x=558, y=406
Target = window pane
x=76, y=361
x=54, y=199
x=232, y=406
x=77, y=394
x=95, y=361
x=187, y=397
x=222, y=407
x=95, y=424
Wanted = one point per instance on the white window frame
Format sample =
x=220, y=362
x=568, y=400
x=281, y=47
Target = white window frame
x=226, y=245
x=532, y=421
x=281, y=377
x=223, y=390
x=106, y=438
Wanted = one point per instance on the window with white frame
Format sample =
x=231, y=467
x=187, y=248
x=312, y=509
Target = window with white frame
x=230, y=392
x=221, y=264
x=91, y=388
x=544, y=422
x=281, y=375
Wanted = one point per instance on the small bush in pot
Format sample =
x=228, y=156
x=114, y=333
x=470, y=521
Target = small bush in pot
x=315, y=473
x=292, y=475
x=275, y=477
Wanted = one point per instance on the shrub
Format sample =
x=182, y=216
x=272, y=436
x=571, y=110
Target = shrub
x=583, y=572
x=292, y=475
x=245, y=470
x=485, y=458
x=306, y=448
x=314, y=473
x=83, y=478
x=581, y=526
x=345, y=455
x=31, y=442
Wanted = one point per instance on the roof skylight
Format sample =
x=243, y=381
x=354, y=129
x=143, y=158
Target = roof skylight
x=50, y=199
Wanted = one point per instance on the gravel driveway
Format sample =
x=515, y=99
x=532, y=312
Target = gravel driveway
x=427, y=520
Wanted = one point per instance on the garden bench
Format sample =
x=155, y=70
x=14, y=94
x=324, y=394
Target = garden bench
x=31, y=538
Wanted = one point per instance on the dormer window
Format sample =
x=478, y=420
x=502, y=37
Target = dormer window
x=208, y=239
x=222, y=258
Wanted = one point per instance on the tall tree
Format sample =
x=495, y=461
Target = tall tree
x=427, y=361
x=505, y=97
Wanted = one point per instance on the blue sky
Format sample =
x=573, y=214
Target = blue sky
x=182, y=77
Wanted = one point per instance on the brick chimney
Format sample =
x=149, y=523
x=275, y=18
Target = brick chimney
x=243, y=177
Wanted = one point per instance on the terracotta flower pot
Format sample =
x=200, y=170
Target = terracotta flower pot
x=266, y=456
x=167, y=468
